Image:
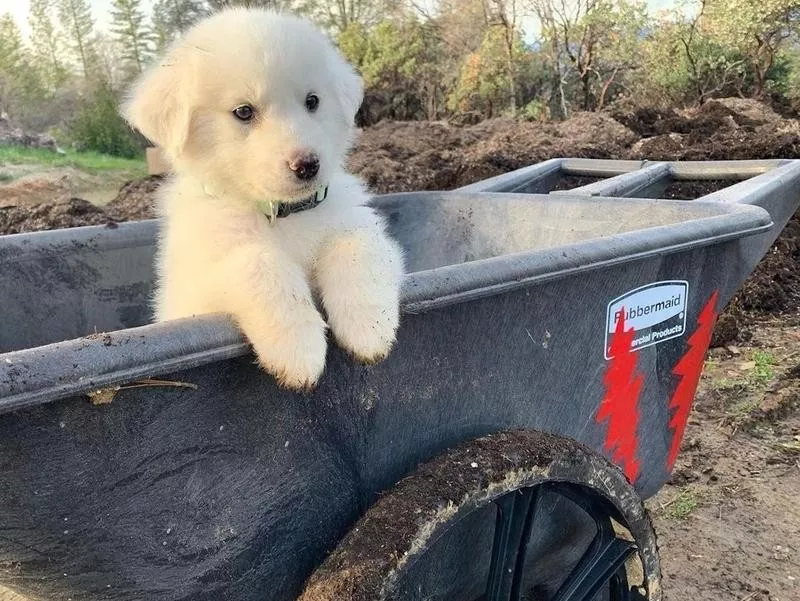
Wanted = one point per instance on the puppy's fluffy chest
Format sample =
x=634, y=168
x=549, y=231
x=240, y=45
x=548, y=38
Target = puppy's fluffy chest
x=203, y=228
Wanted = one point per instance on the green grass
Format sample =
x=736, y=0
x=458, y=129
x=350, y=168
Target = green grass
x=743, y=392
x=681, y=506
x=87, y=161
x=758, y=374
x=763, y=371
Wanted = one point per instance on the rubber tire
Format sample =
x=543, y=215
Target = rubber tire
x=400, y=526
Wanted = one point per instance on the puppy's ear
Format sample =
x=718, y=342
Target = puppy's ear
x=350, y=91
x=158, y=108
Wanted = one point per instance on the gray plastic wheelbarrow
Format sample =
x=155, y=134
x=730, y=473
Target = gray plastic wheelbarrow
x=546, y=363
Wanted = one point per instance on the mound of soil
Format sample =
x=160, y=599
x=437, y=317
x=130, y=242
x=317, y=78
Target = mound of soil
x=31, y=189
x=647, y=121
x=403, y=157
x=73, y=212
x=772, y=289
x=135, y=200
x=774, y=286
x=731, y=128
x=758, y=112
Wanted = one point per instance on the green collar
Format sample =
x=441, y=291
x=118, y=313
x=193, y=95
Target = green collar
x=273, y=209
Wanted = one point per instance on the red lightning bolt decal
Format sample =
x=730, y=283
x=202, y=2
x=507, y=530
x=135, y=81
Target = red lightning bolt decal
x=620, y=405
x=689, y=368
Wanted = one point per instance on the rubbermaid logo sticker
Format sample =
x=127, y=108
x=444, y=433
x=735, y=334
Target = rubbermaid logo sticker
x=656, y=312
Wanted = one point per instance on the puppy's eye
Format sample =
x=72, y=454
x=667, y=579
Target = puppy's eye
x=244, y=112
x=312, y=103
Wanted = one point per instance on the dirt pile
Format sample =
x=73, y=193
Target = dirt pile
x=31, y=189
x=774, y=287
x=731, y=128
x=648, y=121
x=73, y=212
x=135, y=200
x=402, y=157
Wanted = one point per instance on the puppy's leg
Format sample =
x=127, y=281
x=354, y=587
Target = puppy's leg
x=270, y=298
x=359, y=273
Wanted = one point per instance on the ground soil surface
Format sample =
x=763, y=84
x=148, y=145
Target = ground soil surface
x=729, y=520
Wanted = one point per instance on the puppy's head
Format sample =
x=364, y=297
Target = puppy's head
x=255, y=103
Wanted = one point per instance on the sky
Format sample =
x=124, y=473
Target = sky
x=101, y=10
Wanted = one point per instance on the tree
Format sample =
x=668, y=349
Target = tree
x=354, y=43
x=617, y=29
x=755, y=29
x=457, y=28
x=485, y=81
x=593, y=41
x=461, y=25
x=713, y=69
x=173, y=17
x=12, y=62
x=76, y=17
x=163, y=33
x=47, y=43
x=128, y=25
x=664, y=76
x=276, y=4
x=338, y=15
x=790, y=63
x=551, y=49
x=21, y=91
x=112, y=68
x=503, y=14
x=400, y=61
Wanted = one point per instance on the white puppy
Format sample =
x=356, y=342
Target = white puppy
x=255, y=111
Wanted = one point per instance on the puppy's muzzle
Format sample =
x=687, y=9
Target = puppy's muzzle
x=305, y=166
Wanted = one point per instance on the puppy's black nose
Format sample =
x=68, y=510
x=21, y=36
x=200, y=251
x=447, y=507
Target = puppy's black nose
x=305, y=166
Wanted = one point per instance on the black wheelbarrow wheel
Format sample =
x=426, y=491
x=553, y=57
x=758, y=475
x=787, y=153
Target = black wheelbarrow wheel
x=516, y=515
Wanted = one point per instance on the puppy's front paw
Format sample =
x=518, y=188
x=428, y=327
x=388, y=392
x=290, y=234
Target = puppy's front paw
x=367, y=332
x=359, y=273
x=296, y=359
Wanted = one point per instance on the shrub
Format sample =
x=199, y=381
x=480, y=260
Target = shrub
x=100, y=127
